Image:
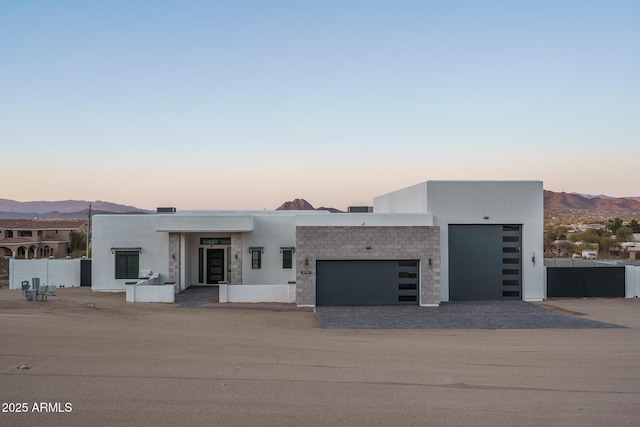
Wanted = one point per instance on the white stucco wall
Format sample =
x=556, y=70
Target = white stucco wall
x=120, y=231
x=59, y=272
x=204, y=221
x=480, y=202
x=258, y=293
x=150, y=293
x=271, y=232
x=632, y=281
x=407, y=200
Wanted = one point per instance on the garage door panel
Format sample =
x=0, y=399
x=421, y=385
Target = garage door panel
x=484, y=262
x=366, y=282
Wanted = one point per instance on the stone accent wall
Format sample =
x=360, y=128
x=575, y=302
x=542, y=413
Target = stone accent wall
x=350, y=243
x=236, y=259
x=174, y=264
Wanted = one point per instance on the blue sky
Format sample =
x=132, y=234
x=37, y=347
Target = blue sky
x=247, y=104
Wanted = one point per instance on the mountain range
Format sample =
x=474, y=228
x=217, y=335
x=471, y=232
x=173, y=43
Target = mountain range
x=559, y=201
x=561, y=204
x=61, y=209
x=303, y=205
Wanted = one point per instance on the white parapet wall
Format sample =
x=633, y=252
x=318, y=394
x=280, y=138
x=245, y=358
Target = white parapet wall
x=63, y=273
x=142, y=292
x=632, y=281
x=257, y=293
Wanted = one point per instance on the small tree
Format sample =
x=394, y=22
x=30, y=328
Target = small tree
x=77, y=243
x=606, y=245
x=556, y=233
x=614, y=225
x=635, y=226
x=592, y=235
x=624, y=234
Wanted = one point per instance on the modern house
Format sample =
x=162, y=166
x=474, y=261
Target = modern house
x=38, y=238
x=432, y=242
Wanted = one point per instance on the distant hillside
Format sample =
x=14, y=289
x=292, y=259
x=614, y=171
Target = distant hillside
x=568, y=201
x=603, y=196
x=303, y=205
x=563, y=200
x=61, y=209
x=584, y=208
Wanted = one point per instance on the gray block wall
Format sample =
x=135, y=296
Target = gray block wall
x=174, y=262
x=236, y=259
x=315, y=243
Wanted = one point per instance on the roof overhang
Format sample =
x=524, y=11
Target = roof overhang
x=126, y=249
x=204, y=223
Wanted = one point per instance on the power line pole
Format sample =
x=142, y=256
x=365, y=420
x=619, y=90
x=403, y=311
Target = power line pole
x=88, y=231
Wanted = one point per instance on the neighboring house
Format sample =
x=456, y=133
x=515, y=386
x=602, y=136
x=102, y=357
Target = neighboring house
x=436, y=241
x=634, y=251
x=37, y=238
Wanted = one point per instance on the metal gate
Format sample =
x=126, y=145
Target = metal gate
x=586, y=282
x=485, y=262
x=85, y=272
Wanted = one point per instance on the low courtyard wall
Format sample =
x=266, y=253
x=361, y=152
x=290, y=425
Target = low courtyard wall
x=63, y=273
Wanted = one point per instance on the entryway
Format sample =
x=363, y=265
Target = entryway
x=197, y=296
x=215, y=266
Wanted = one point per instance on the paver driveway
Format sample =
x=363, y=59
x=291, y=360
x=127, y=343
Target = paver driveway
x=453, y=315
x=449, y=315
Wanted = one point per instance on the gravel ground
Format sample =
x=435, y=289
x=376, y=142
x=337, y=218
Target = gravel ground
x=64, y=363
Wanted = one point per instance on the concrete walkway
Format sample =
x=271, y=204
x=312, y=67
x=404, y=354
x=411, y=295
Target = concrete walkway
x=197, y=296
x=454, y=315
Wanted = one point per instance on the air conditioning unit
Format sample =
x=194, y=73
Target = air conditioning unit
x=166, y=210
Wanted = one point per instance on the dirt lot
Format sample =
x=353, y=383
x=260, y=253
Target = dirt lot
x=154, y=364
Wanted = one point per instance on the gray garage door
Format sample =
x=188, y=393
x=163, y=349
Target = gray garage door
x=367, y=282
x=485, y=262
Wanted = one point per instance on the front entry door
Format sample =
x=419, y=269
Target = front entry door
x=215, y=266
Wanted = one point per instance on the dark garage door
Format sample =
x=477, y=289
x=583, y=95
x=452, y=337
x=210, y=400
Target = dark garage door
x=367, y=282
x=484, y=262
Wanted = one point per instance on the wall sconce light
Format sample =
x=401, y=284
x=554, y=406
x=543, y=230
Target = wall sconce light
x=306, y=261
x=533, y=258
x=174, y=256
x=368, y=247
x=486, y=217
x=429, y=262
